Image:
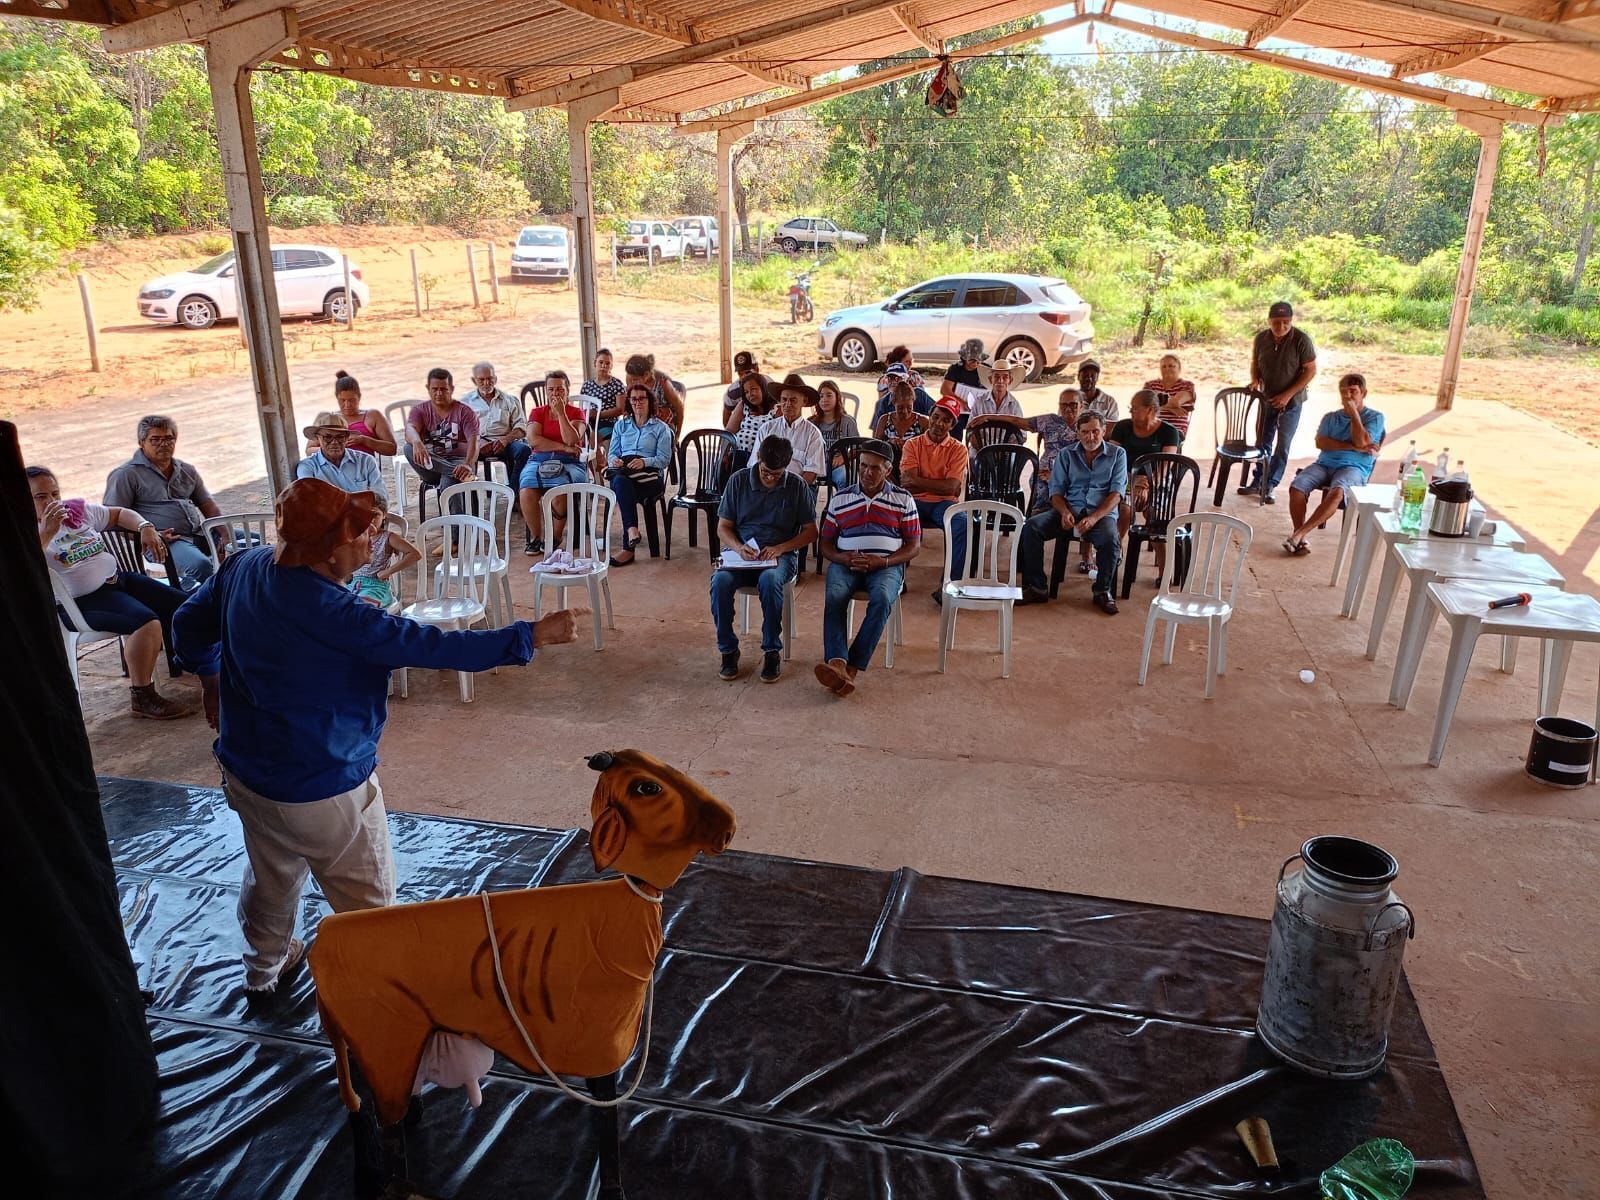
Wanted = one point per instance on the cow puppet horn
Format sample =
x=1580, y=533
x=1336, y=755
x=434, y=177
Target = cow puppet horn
x=602, y=761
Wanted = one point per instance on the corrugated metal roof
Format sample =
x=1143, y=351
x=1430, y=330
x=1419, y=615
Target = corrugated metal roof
x=529, y=47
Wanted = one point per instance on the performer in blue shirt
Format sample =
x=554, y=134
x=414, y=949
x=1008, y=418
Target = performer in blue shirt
x=295, y=670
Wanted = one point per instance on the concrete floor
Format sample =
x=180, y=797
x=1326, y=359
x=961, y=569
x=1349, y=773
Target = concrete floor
x=1068, y=776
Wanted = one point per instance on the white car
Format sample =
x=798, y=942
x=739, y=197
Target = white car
x=310, y=282
x=700, y=235
x=1034, y=322
x=812, y=232
x=655, y=240
x=542, y=252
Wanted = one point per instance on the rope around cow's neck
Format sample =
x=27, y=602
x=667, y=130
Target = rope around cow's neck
x=505, y=998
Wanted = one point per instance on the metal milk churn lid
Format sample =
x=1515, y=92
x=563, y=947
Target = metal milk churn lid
x=1333, y=959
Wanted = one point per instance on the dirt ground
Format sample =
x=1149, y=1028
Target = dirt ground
x=46, y=359
x=1066, y=776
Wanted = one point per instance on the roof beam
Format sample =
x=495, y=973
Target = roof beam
x=713, y=48
x=189, y=22
x=1446, y=58
x=1491, y=20
x=1359, y=79
x=1283, y=12
x=349, y=62
x=1573, y=104
x=905, y=14
x=773, y=73
x=641, y=18
x=857, y=83
x=96, y=12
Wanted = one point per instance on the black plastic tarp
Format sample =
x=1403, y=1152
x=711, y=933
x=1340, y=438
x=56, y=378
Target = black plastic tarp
x=820, y=1031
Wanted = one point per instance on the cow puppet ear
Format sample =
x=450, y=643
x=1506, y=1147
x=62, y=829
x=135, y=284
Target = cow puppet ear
x=606, y=839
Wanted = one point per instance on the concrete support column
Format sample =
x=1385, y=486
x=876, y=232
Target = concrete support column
x=230, y=53
x=727, y=138
x=580, y=115
x=1488, y=130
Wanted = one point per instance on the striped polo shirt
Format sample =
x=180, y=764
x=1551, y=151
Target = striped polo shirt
x=863, y=524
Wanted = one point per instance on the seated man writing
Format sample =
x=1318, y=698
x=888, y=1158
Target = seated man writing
x=1348, y=440
x=933, y=468
x=766, y=515
x=869, y=533
x=1086, y=485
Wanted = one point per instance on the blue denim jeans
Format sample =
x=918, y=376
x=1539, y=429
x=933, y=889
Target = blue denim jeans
x=515, y=456
x=770, y=583
x=194, y=565
x=932, y=514
x=1046, y=527
x=1279, y=425
x=882, y=587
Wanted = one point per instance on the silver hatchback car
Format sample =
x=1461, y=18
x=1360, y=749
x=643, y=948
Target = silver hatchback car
x=1034, y=322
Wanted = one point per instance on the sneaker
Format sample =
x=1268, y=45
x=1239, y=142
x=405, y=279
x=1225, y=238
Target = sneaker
x=1249, y=489
x=292, y=959
x=1269, y=498
x=1106, y=603
x=150, y=704
x=730, y=665
x=533, y=546
x=771, y=666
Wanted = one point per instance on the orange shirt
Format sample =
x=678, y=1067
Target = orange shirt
x=947, y=460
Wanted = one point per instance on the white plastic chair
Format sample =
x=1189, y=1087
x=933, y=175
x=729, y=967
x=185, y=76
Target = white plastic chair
x=493, y=502
x=452, y=598
x=396, y=414
x=752, y=596
x=259, y=529
x=895, y=633
x=396, y=523
x=992, y=585
x=854, y=401
x=80, y=633
x=587, y=535
x=1217, y=548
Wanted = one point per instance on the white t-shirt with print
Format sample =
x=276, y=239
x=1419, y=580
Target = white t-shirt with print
x=80, y=556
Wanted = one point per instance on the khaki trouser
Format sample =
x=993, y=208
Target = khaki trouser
x=343, y=841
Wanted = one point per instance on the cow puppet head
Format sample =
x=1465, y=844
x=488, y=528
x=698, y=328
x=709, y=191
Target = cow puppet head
x=650, y=819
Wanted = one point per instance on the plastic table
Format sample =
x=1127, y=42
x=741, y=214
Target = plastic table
x=1360, y=503
x=1558, y=618
x=1384, y=529
x=1425, y=561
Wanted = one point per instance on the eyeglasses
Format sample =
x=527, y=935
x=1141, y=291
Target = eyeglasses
x=162, y=439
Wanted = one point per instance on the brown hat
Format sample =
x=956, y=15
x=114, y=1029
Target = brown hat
x=315, y=518
x=327, y=420
x=791, y=383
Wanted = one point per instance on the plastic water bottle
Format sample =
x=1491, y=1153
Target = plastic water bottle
x=1442, y=463
x=1408, y=461
x=1412, y=495
x=1461, y=471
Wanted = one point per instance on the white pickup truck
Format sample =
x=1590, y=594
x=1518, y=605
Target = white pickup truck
x=652, y=240
x=700, y=235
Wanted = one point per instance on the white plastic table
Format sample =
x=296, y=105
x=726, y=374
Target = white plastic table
x=1383, y=529
x=1558, y=618
x=1423, y=562
x=1360, y=503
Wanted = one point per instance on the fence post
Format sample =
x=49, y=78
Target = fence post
x=349, y=296
x=883, y=232
x=88, y=320
x=416, y=282
x=472, y=273
x=761, y=246
x=650, y=256
x=613, y=255
x=494, y=276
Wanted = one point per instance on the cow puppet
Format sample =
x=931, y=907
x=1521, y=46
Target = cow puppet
x=577, y=958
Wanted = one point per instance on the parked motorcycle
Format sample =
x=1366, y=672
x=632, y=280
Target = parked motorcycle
x=800, y=299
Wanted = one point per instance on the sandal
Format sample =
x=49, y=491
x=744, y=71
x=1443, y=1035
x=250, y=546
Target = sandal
x=622, y=562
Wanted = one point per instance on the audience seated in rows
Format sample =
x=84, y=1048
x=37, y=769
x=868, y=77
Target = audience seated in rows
x=788, y=421
x=1056, y=431
x=442, y=435
x=900, y=370
x=668, y=396
x=369, y=432
x=902, y=422
x=870, y=531
x=169, y=493
x=766, y=515
x=994, y=400
x=748, y=415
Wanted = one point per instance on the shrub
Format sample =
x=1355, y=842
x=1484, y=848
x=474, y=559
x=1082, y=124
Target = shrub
x=296, y=212
x=23, y=258
x=1434, y=278
x=1341, y=265
x=213, y=243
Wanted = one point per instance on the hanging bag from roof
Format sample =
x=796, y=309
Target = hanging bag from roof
x=945, y=93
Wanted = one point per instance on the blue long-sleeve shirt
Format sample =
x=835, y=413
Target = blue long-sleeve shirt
x=653, y=443
x=304, y=667
x=1086, y=484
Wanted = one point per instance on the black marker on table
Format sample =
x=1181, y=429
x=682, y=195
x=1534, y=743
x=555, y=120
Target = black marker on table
x=1516, y=601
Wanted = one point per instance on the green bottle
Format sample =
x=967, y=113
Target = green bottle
x=1412, y=494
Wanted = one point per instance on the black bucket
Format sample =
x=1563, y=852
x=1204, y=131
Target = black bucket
x=1562, y=752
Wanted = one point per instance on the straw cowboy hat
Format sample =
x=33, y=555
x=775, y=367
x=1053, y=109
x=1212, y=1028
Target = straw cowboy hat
x=791, y=383
x=315, y=518
x=327, y=420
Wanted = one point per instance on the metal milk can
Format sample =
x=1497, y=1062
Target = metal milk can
x=1333, y=959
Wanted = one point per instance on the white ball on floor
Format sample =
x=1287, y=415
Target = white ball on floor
x=1308, y=676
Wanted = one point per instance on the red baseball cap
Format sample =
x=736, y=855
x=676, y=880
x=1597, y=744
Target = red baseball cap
x=951, y=405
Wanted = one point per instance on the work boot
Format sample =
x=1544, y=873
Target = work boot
x=148, y=703
x=771, y=666
x=730, y=665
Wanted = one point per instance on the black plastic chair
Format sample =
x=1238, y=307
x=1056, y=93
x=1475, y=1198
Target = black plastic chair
x=126, y=548
x=997, y=471
x=992, y=434
x=534, y=390
x=1166, y=473
x=1237, y=412
x=701, y=491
